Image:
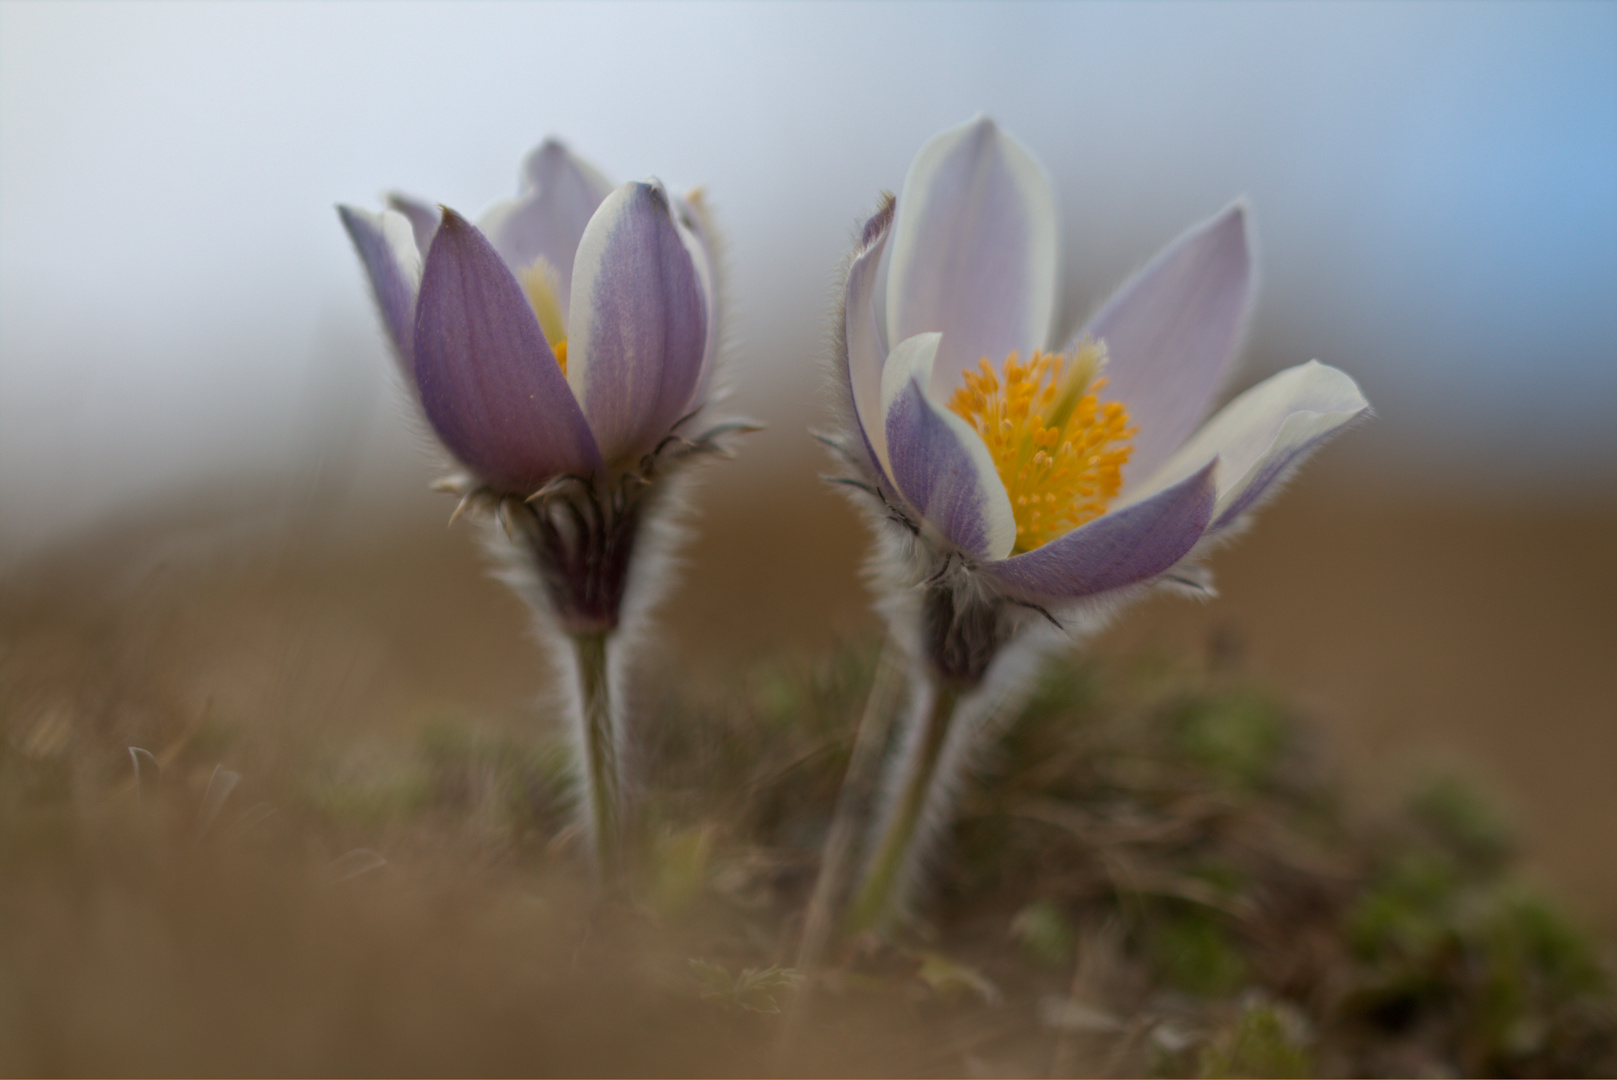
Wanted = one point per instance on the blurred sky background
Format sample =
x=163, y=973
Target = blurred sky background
x=1434, y=189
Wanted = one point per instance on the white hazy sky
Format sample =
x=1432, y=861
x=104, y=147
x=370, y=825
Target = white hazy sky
x=1434, y=187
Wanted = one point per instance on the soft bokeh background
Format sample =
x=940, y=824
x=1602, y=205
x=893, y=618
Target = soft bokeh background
x=186, y=342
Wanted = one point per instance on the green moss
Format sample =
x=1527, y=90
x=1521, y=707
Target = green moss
x=1256, y=1045
x=1191, y=949
x=1067, y=689
x=1535, y=972
x=1464, y=821
x=1225, y=878
x=1236, y=737
x=1449, y=944
x=1538, y=937
x=1406, y=912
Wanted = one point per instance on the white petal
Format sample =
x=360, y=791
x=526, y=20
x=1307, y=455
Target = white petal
x=400, y=234
x=866, y=351
x=937, y=461
x=974, y=250
x=1263, y=433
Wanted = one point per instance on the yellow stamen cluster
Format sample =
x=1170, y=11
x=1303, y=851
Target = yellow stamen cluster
x=1058, y=450
x=539, y=282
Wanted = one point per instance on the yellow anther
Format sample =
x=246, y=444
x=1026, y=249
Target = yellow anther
x=541, y=284
x=1058, y=450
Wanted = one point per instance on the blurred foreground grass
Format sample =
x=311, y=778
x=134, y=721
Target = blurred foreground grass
x=1157, y=876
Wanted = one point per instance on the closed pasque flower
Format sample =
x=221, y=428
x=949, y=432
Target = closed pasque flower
x=568, y=335
x=562, y=351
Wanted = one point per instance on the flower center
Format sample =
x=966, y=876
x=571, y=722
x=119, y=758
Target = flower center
x=539, y=282
x=1058, y=450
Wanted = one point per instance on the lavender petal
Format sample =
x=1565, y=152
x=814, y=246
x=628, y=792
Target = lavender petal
x=1121, y=547
x=1171, y=333
x=489, y=383
x=386, y=249
x=638, y=322
x=935, y=459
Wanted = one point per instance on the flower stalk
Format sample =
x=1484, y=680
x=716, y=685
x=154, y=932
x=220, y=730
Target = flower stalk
x=953, y=702
x=598, y=742
x=880, y=893
x=570, y=552
x=854, y=801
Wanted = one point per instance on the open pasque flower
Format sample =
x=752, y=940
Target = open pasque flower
x=1020, y=480
x=562, y=351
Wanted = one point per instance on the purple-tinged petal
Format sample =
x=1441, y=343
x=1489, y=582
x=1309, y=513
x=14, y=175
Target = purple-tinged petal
x=935, y=459
x=974, y=250
x=696, y=229
x=862, y=332
x=638, y=322
x=560, y=192
x=1267, y=431
x=1171, y=334
x=423, y=218
x=1121, y=547
x=388, y=252
x=489, y=384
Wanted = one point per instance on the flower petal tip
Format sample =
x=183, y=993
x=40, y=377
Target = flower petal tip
x=878, y=224
x=387, y=250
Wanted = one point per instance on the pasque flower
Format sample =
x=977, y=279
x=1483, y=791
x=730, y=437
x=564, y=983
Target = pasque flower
x=1023, y=484
x=563, y=353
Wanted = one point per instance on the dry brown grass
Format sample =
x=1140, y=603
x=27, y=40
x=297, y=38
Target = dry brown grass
x=1161, y=873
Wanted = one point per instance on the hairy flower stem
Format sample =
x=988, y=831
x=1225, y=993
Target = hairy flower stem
x=877, y=900
x=853, y=807
x=576, y=544
x=598, y=744
x=960, y=636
